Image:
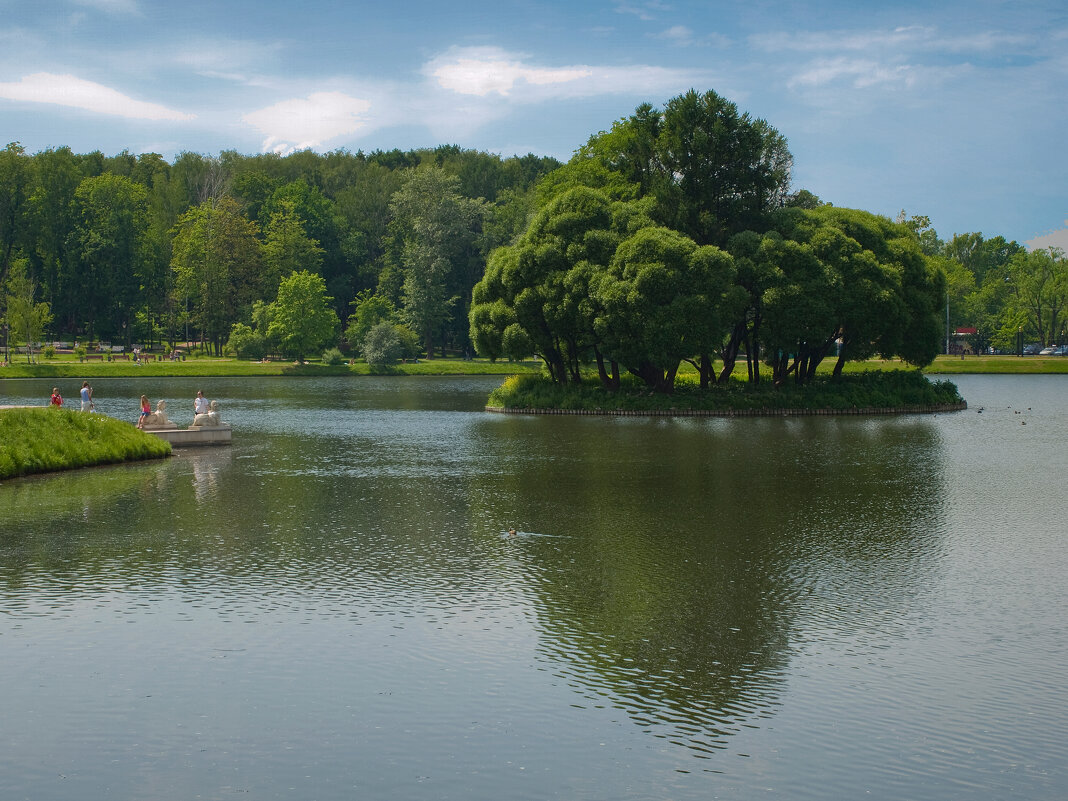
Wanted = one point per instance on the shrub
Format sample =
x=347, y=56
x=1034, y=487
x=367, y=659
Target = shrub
x=48, y=351
x=246, y=343
x=382, y=345
x=409, y=340
x=332, y=356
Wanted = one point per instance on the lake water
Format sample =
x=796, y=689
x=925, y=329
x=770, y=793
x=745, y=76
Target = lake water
x=331, y=608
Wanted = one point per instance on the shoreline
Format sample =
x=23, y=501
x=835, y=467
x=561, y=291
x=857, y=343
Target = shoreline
x=939, y=408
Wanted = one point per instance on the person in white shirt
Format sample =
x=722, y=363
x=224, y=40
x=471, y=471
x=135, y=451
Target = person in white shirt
x=200, y=404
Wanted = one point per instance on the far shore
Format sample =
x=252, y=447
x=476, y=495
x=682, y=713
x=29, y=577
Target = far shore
x=69, y=368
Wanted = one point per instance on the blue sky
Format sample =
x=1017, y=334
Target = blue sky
x=956, y=110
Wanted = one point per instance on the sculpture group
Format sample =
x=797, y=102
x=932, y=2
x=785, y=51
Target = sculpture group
x=206, y=429
x=158, y=419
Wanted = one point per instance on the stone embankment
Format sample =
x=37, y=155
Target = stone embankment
x=928, y=409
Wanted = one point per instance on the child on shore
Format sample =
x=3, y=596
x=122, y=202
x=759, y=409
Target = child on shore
x=146, y=410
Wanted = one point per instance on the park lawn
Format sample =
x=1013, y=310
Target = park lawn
x=45, y=439
x=205, y=366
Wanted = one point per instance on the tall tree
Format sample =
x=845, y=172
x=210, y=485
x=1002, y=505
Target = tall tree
x=1039, y=299
x=435, y=242
x=25, y=317
x=109, y=239
x=217, y=263
x=286, y=247
x=301, y=319
x=14, y=191
x=662, y=299
x=56, y=177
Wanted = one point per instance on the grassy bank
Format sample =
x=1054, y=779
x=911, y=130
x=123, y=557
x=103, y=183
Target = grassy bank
x=898, y=389
x=220, y=367
x=66, y=366
x=40, y=440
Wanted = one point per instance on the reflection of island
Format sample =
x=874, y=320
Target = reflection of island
x=673, y=585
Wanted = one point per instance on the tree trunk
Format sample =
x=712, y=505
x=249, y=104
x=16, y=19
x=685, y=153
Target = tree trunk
x=705, y=370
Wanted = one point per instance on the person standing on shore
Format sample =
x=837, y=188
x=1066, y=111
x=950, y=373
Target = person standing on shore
x=146, y=410
x=200, y=403
x=56, y=399
x=87, y=397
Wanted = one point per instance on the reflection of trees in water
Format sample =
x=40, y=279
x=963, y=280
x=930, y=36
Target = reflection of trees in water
x=289, y=520
x=684, y=553
x=684, y=558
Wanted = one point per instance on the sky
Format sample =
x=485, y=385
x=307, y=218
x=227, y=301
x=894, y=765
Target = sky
x=955, y=110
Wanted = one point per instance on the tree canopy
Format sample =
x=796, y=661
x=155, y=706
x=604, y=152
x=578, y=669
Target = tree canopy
x=672, y=238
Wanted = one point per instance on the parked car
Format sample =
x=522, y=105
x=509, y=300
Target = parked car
x=1062, y=350
x=1046, y=351
x=1031, y=350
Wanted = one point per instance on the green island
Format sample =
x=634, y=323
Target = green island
x=874, y=392
x=40, y=440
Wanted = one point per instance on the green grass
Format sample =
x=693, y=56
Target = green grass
x=999, y=365
x=68, y=367
x=39, y=440
x=898, y=389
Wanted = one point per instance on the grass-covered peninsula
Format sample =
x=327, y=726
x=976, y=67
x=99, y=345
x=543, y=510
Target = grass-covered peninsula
x=872, y=392
x=41, y=440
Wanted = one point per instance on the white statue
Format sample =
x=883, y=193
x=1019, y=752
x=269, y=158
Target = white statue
x=209, y=418
x=158, y=418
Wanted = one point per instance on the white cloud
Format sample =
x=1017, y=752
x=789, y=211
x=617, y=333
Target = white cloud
x=68, y=90
x=112, y=6
x=913, y=38
x=309, y=122
x=644, y=11
x=481, y=71
x=1052, y=239
x=861, y=73
x=679, y=34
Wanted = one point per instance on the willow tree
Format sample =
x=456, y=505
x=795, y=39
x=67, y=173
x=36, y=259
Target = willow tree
x=663, y=300
x=536, y=295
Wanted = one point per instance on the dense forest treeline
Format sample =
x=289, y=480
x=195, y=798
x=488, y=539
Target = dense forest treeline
x=137, y=249
x=671, y=237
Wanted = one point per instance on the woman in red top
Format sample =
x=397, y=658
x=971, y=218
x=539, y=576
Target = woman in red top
x=56, y=400
x=146, y=410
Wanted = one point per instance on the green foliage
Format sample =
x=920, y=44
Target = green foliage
x=1039, y=295
x=661, y=300
x=25, y=317
x=286, y=247
x=381, y=347
x=100, y=231
x=435, y=244
x=109, y=242
x=369, y=309
x=45, y=439
x=333, y=357
x=217, y=262
x=301, y=319
x=246, y=343
x=896, y=389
